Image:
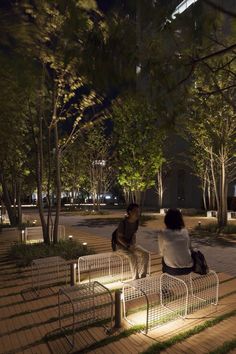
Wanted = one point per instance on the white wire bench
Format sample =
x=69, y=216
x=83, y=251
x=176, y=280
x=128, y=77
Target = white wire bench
x=35, y=234
x=211, y=213
x=200, y=290
x=48, y=271
x=158, y=299
x=83, y=305
x=108, y=267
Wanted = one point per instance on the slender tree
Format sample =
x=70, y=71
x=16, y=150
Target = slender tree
x=212, y=128
x=139, y=141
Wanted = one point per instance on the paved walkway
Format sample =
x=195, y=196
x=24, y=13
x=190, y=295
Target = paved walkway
x=29, y=324
x=220, y=257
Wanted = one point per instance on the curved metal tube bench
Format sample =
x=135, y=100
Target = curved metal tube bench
x=83, y=305
x=48, y=271
x=159, y=299
x=105, y=267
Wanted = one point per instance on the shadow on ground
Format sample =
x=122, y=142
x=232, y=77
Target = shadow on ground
x=101, y=222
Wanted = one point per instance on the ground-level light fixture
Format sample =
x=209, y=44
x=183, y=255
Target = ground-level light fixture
x=22, y=235
x=84, y=245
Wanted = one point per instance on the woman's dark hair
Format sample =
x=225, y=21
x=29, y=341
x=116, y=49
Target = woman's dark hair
x=174, y=219
x=131, y=207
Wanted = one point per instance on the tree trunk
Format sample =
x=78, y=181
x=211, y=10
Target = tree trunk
x=49, y=201
x=214, y=181
x=39, y=159
x=137, y=197
x=14, y=190
x=39, y=177
x=58, y=184
x=160, y=190
x=18, y=196
x=222, y=210
x=142, y=200
x=204, y=191
x=7, y=201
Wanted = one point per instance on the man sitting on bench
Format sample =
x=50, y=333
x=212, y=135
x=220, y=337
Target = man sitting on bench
x=126, y=242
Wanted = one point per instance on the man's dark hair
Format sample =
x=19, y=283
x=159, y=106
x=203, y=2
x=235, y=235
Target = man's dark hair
x=174, y=219
x=131, y=207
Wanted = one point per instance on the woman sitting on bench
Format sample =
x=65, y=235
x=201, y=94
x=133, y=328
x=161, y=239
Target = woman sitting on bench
x=175, y=245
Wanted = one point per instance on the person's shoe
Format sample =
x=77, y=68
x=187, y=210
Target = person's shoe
x=143, y=275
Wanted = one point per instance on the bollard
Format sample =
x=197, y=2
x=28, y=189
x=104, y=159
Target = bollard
x=72, y=274
x=118, y=309
x=22, y=236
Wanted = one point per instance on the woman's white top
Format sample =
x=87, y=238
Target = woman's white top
x=174, y=246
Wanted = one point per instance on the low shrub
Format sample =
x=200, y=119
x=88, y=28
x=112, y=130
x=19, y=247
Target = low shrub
x=23, y=254
x=211, y=227
x=93, y=212
x=229, y=229
x=214, y=228
x=145, y=218
x=5, y=226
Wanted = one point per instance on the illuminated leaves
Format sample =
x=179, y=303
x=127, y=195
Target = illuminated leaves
x=139, y=140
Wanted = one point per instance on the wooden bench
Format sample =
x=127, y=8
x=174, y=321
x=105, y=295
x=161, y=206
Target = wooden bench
x=35, y=234
x=156, y=300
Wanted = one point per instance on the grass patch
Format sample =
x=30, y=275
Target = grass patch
x=229, y=229
x=93, y=212
x=226, y=347
x=213, y=228
x=23, y=254
x=112, y=339
x=158, y=347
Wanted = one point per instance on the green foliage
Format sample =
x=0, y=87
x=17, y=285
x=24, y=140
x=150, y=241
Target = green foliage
x=52, y=37
x=210, y=127
x=139, y=141
x=211, y=227
x=111, y=49
x=158, y=347
x=97, y=161
x=229, y=229
x=23, y=254
x=73, y=167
